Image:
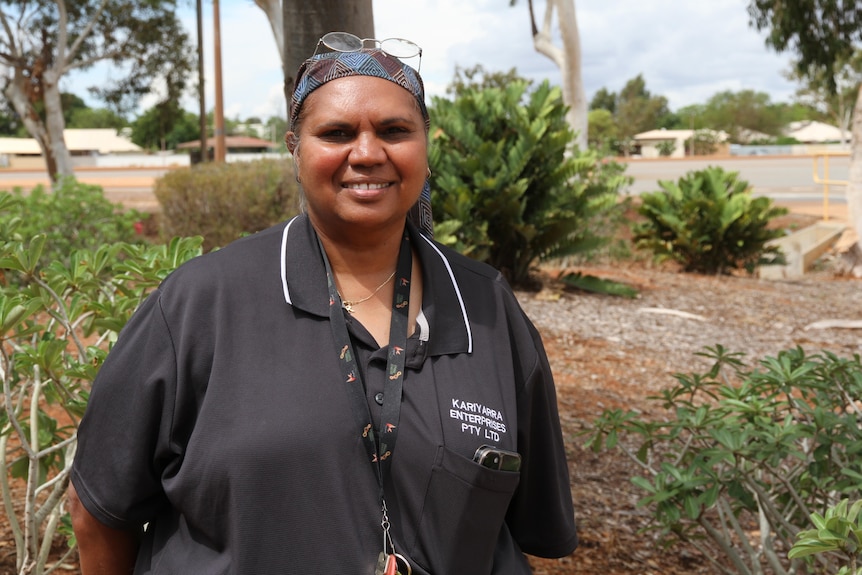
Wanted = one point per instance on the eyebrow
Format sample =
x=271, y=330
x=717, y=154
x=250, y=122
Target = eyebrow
x=395, y=120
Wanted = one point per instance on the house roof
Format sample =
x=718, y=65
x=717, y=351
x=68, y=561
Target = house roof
x=19, y=146
x=663, y=134
x=812, y=131
x=103, y=141
x=232, y=142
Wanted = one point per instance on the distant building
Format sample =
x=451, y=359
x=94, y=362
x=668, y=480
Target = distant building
x=812, y=132
x=651, y=143
x=26, y=153
x=233, y=145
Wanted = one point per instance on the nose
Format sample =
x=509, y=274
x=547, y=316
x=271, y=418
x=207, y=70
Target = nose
x=367, y=150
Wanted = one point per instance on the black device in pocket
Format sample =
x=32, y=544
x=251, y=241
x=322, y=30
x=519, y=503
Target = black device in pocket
x=496, y=458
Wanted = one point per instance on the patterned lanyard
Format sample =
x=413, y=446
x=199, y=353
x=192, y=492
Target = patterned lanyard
x=380, y=446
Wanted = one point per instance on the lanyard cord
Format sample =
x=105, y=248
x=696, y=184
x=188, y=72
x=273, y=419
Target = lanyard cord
x=380, y=446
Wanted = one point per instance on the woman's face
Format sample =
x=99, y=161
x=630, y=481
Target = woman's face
x=362, y=154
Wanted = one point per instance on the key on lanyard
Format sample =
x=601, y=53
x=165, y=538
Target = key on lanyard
x=390, y=564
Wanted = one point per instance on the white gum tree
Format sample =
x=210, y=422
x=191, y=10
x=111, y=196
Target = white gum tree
x=567, y=57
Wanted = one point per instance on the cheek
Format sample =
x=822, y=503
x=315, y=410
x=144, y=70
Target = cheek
x=320, y=163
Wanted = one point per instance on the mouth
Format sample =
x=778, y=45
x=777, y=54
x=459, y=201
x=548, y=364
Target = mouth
x=365, y=186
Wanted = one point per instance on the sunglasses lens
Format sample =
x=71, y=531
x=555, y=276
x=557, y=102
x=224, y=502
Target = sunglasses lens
x=342, y=41
x=399, y=48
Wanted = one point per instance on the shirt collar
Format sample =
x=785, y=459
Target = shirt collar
x=303, y=279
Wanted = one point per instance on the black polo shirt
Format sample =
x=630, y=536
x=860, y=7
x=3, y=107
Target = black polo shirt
x=220, y=419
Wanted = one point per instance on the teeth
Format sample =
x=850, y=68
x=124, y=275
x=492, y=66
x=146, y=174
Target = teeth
x=366, y=186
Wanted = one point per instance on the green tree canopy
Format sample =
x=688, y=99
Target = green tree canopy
x=744, y=111
x=94, y=118
x=164, y=126
x=821, y=33
x=477, y=77
x=634, y=110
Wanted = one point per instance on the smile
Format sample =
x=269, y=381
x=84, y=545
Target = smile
x=365, y=186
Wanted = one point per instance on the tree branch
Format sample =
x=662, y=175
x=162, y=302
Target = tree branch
x=85, y=32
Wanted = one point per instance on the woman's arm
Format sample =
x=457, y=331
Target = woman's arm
x=103, y=550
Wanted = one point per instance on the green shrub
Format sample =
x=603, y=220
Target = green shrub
x=55, y=330
x=708, y=222
x=745, y=455
x=223, y=202
x=666, y=148
x=508, y=185
x=702, y=143
x=73, y=216
x=838, y=531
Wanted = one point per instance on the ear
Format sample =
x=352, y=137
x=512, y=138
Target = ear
x=291, y=140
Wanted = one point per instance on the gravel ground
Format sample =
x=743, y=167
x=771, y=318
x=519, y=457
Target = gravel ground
x=676, y=315
x=611, y=352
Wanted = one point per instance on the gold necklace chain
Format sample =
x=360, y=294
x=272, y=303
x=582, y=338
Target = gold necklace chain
x=348, y=304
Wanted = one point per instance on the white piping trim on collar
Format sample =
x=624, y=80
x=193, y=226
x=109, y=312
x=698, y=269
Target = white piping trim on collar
x=457, y=292
x=284, y=261
x=423, y=325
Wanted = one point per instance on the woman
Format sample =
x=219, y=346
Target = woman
x=249, y=412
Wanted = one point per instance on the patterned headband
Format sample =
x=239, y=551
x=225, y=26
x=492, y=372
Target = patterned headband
x=322, y=68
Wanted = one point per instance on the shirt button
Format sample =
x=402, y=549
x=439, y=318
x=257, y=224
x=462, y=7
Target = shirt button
x=378, y=397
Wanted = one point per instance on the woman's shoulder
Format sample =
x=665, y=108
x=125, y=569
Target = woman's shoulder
x=239, y=264
x=465, y=266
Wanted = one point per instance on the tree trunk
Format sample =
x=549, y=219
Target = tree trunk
x=573, y=85
x=854, y=186
x=568, y=59
x=17, y=95
x=55, y=124
x=305, y=21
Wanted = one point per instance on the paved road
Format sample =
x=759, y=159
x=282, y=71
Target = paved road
x=132, y=187
x=786, y=179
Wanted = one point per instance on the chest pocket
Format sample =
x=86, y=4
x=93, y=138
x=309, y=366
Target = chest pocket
x=462, y=514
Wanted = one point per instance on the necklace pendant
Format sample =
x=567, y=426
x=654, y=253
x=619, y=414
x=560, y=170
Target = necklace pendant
x=348, y=306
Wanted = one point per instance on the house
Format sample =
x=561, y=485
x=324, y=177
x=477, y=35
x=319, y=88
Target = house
x=652, y=142
x=25, y=153
x=233, y=145
x=98, y=142
x=813, y=132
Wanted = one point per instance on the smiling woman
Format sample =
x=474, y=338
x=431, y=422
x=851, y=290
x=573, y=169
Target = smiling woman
x=248, y=414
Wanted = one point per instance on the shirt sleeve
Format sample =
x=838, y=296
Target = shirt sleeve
x=541, y=515
x=124, y=438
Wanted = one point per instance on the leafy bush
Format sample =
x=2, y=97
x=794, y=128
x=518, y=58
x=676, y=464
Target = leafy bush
x=709, y=223
x=745, y=455
x=666, y=148
x=702, y=143
x=839, y=531
x=222, y=202
x=73, y=216
x=509, y=188
x=55, y=332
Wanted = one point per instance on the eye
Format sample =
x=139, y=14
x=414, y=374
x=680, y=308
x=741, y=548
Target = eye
x=335, y=134
x=395, y=132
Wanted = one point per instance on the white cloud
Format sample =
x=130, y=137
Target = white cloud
x=686, y=50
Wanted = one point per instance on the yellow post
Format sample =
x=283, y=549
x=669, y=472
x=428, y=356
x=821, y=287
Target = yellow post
x=825, y=187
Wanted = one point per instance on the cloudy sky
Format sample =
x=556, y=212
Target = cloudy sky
x=686, y=50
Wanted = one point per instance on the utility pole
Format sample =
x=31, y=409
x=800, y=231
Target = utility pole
x=219, y=104
x=201, y=98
